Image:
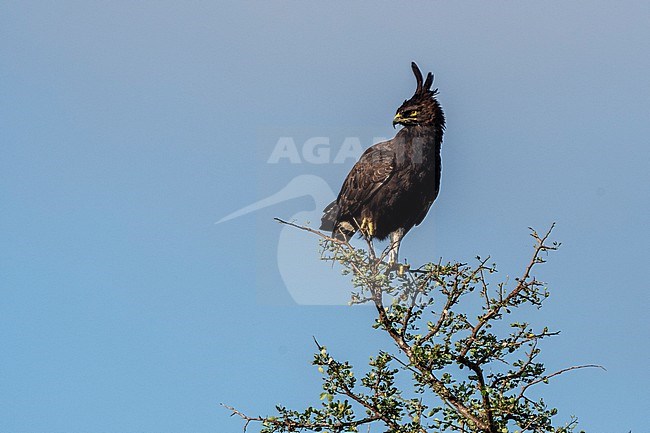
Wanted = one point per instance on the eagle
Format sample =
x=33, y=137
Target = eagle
x=395, y=182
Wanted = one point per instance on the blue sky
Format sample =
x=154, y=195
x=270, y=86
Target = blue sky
x=128, y=129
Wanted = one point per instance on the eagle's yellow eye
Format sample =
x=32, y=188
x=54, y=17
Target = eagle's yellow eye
x=412, y=113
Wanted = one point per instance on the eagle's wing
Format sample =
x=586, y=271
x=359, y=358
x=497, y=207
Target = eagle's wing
x=374, y=169
x=431, y=197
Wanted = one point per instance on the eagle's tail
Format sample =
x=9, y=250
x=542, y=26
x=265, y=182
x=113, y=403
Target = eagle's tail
x=330, y=222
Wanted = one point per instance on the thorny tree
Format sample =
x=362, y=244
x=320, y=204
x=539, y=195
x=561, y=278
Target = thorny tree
x=467, y=373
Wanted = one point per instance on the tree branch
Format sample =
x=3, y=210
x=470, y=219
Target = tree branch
x=557, y=373
x=293, y=425
x=522, y=283
x=437, y=385
x=482, y=388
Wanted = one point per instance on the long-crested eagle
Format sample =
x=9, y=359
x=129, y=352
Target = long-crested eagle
x=392, y=186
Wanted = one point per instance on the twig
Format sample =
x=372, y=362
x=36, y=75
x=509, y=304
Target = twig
x=557, y=373
x=314, y=231
x=414, y=297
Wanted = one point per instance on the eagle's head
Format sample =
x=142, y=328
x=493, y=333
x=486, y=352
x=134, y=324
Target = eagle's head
x=422, y=108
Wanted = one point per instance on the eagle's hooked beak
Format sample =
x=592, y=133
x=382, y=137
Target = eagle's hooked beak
x=397, y=119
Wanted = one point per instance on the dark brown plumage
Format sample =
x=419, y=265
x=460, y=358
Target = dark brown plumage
x=392, y=186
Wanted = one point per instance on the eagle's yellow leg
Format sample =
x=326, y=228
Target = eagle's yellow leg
x=368, y=227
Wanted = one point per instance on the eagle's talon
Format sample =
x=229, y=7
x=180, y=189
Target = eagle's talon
x=399, y=268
